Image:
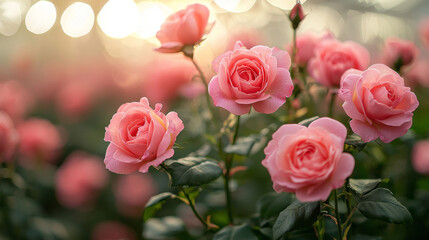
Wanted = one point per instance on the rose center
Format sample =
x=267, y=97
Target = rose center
x=305, y=151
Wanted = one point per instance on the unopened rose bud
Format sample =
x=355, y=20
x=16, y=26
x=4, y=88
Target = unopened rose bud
x=296, y=15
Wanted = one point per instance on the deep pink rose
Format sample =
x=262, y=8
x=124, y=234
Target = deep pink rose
x=40, y=141
x=421, y=157
x=309, y=161
x=378, y=103
x=132, y=192
x=185, y=27
x=14, y=99
x=332, y=58
x=424, y=31
x=398, y=51
x=8, y=137
x=306, y=44
x=140, y=137
x=79, y=180
x=113, y=230
x=257, y=77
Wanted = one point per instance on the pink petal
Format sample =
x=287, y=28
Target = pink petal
x=332, y=126
x=343, y=170
x=283, y=58
x=388, y=133
x=116, y=166
x=366, y=132
x=318, y=193
x=156, y=162
x=170, y=47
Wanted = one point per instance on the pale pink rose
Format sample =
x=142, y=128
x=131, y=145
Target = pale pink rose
x=113, y=230
x=40, y=141
x=257, y=77
x=140, y=137
x=378, y=103
x=132, y=193
x=309, y=161
x=14, y=99
x=185, y=27
x=306, y=44
x=75, y=99
x=8, y=137
x=420, y=157
x=418, y=74
x=332, y=58
x=397, y=51
x=166, y=77
x=79, y=180
x=424, y=31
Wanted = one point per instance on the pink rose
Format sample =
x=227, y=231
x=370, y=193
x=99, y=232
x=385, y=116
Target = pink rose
x=378, y=103
x=14, y=99
x=8, y=137
x=306, y=44
x=424, y=31
x=397, y=51
x=113, y=230
x=185, y=27
x=418, y=73
x=309, y=161
x=257, y=77
x=140, y=137
x=79, y=180
x=332, y=58
x=421, y=157
x=132, y=192
x=40, y=141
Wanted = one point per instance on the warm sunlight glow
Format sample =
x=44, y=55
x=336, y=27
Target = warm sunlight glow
x=10, y=17
x=77, y=20
x=151, y=17
x=285, y=5
x=118, y=18
x=41, y=17
x=235, y=6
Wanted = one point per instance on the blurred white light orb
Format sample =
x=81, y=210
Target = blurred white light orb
x=236, y=6
x=118, y=18
x=41, y=17
x=10, y=17
x=151, y=16
x=77, y=20
x=285, y=4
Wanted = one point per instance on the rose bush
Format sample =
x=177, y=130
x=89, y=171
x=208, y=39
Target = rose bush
x=420, y=156
x=305, y=46
x=185, y=27
x=140, y=137
x=8, y=137
x=332, y=58
x=309, y=161
x=378, y=103
x=257, y=77
x=398, y=52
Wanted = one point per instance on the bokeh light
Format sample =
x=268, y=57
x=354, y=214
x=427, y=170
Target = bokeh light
x=283, y=4
x=235, y=6
x=77, y=20
x=151, y=17
x=10, y=17
x=40, y=17
x=118, y=18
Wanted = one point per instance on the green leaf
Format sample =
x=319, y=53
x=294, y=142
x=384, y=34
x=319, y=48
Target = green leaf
x=363, y=186
x=192, y=171
x=354, y=144
x=241, y=232
x=270, y=205
x=155, y=203
x=295, y=216
x=243, y=146
x=163, y=228
x=381, y=204
x=306, y=122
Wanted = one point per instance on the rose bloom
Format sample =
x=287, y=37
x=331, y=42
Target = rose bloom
x=257, y=77
x=306, y=44
x=140, y=137
x=113, y=230
x=420, y=157
x=132, y=193
x=185, y=27
x=14, y=99
x=398, y=51
x=424, y=31
x=79, y=180
x=309, y=161
x=8, y=137
x=378, y=103
x=40, y=141
x=418, y=74
x=332, y=58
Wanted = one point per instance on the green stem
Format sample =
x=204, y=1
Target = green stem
x=191, y=204
x=5, y=212
x=337, y=216
x=331, y=104
x=228, y=164
x=348, y=192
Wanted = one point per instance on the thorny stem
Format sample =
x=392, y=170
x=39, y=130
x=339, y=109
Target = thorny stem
x=191, y=204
